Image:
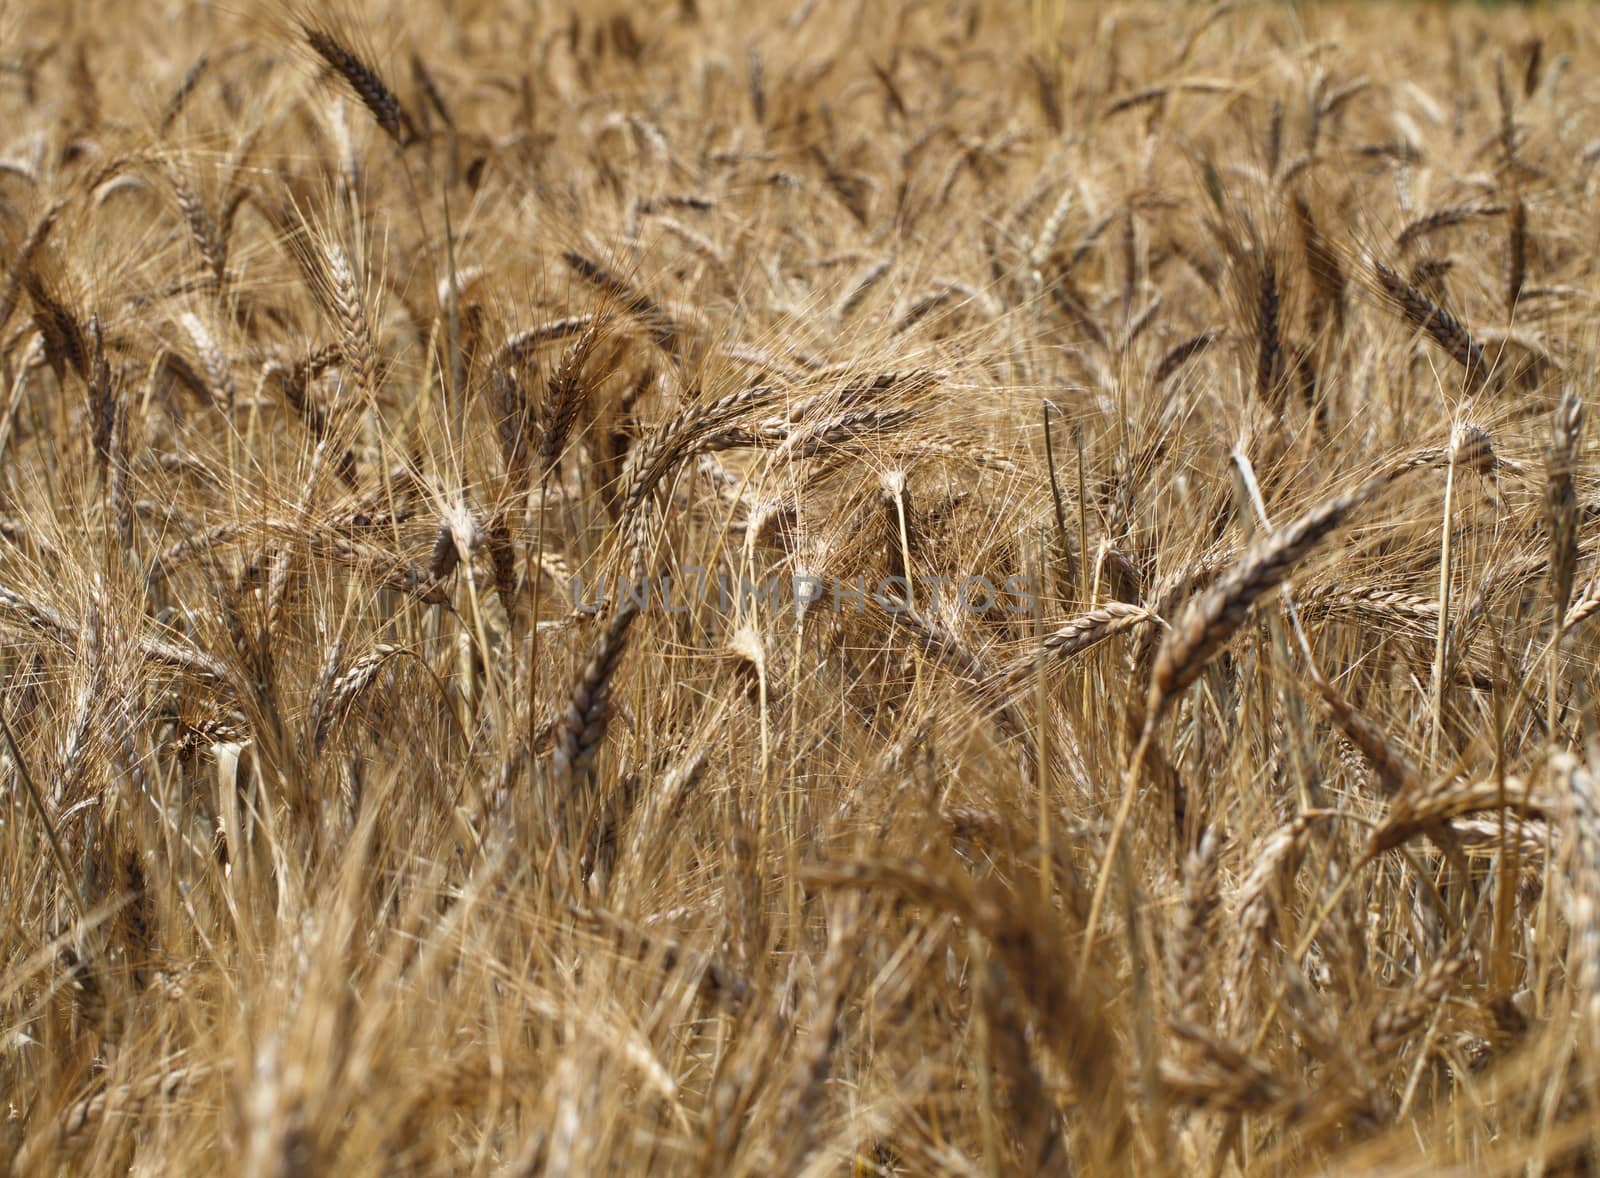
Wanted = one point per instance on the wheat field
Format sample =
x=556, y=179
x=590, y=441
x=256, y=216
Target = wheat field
x=946, y=588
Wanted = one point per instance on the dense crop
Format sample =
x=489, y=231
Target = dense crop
x=883, y=588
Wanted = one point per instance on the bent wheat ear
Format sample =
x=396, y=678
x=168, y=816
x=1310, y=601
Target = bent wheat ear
x=1210, y=1072
x=1581, y=802
x=1189, y=949
x=1027, y=939
x=336, y=280
x=1389, y=761
x=667, y=334
x=1081, y=633
x=1269, y=346
x=863, y=287
x=814, y=1064
x=681, y=437
x=1445, y=218
x=46, y=620
x=331, y=705
x=1323, y=267
x=588, y=714
x=564, y=398
x=1395, y=1023
x=1473, y=449
x=521, y=345
x=22, y=260
x=367, y=83
x=1516, y=254
x=514, y=423
x=208, y=241
x=66, y=343
x=181, y=95
x=1561, y=500
x=1428, y=316
x=1210, y=619
x=1181, y=353
x=1428, y=808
